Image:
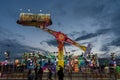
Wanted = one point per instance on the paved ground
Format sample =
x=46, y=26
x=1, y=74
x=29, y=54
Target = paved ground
x=66, y=78
x=75, y=76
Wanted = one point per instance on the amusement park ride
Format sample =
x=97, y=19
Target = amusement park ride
x=42, y=21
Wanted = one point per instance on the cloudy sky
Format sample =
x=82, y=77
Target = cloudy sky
x=85, y=21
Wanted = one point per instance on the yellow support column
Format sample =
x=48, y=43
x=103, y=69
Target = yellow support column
x=60, y=54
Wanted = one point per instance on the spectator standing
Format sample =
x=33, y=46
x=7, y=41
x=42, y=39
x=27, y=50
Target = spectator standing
x=36, y=73
x=49, y=74
x=40, y=74
x=29, y=75
x=33, y=74
x=60, y=74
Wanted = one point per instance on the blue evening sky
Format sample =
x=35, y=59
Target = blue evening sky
x=85, y=21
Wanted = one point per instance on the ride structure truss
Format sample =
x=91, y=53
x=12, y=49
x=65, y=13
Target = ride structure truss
x=42, y=21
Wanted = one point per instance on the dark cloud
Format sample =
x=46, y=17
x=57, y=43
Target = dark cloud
x=74, y=33
x=112, y=18
x=59, y=8
x=105, y=48
x=15, y=48
x=105, y=12
x=10, y=42
x=73, y=50
x=115, y=42
x=84, y=8
x=116, y=23
x=91, y=35
x=88, y=36
x=60, y=24
x=93, y=8
x=52, y=42
x=6, y=34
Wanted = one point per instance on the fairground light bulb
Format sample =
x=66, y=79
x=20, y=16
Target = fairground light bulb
x=20, y=9
x=40, y=10
x=28, y=10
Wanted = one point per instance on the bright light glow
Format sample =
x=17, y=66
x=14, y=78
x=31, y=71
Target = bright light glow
x=28, y=10
x=20, y=9
x=40, y=10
